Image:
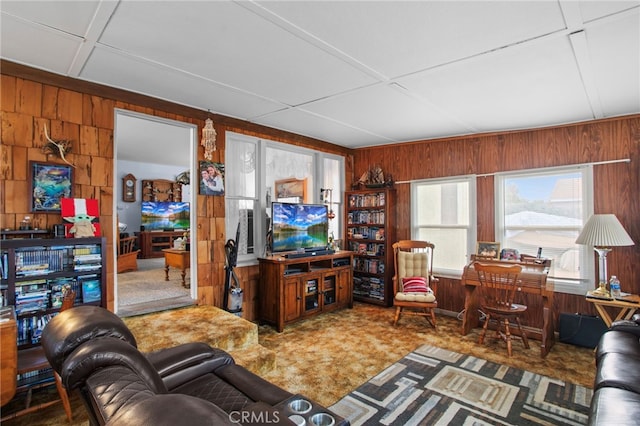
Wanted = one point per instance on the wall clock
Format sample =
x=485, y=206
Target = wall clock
x=129, y=188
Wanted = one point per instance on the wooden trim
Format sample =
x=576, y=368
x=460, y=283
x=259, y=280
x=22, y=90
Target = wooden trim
x=124, y=96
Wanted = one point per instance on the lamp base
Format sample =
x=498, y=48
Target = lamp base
x=602, y=265
x=602, y=290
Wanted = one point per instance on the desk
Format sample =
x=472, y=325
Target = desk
x=533, y=280
x=179, y=259
x=626, y=308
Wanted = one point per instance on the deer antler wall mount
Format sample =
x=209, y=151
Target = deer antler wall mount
x=57, y=148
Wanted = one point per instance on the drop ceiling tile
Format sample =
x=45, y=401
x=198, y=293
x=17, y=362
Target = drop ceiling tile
x=399, y=37
x=388, y=111
x=614, y=47
x=529, y=86
x=224, y=42
x=115, y=69
x=73, y=17
x=321, y=128
x=36, y=45
x=591, y=10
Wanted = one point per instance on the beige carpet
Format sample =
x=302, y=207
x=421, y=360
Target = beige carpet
x=145, y=290
x=330, y=355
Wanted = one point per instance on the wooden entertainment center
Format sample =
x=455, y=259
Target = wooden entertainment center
x=152, y=243
x=296, y=288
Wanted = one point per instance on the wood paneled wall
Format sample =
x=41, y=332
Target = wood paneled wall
x=83, y=113
x=616, y=186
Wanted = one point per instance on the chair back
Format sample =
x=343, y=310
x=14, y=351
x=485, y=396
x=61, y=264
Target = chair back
x=498, y=284
x=412, y=258
x=126, y=245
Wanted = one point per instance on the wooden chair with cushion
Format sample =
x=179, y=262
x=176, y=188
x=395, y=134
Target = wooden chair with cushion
x=413, y=284
x=498, y=286
x=127, y=255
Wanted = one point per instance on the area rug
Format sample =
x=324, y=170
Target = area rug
x=145, y=290
x=436, y=386
x=149, y=285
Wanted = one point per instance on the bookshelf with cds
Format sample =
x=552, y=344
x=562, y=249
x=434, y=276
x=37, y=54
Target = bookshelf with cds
x=34, y=273
x=369, y=217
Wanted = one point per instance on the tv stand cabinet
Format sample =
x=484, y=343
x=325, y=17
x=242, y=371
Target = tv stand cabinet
x=295, y=288
x=152, y=243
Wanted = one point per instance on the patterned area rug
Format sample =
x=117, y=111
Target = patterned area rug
x=436, y=386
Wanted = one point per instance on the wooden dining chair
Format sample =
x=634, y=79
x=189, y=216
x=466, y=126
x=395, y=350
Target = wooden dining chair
x=413, y=283
x=498, y=285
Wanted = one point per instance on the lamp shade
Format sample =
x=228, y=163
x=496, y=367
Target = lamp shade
x=604, y=230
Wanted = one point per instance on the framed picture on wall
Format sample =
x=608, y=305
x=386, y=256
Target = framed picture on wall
x=211, y=178
x=49, y=183
x=488, y=249
x=291, y=189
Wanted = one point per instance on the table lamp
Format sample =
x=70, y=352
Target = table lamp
x=603, y=231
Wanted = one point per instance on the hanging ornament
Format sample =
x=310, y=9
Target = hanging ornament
x=208, y=139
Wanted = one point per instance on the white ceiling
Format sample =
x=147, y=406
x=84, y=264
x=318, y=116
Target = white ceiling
x=354, y=73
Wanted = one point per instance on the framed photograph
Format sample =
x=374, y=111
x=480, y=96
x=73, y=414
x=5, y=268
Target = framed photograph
x=49, y=183
x=488, y=249
x=291, y=189
x=211, y=178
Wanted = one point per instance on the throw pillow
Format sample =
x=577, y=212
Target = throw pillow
x=414, y=285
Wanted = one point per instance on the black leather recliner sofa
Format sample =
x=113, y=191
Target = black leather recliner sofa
x=93, y=351
x=616, y=398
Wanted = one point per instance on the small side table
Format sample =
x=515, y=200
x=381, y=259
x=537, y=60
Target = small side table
x=626, y=307
x=179, y=259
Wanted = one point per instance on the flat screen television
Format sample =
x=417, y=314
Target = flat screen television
x=165, y=215
x=299, y=226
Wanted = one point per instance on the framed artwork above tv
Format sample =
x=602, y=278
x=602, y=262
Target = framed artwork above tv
x=291, y=190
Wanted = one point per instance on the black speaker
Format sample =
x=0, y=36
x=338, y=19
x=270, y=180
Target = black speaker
x=581, y=330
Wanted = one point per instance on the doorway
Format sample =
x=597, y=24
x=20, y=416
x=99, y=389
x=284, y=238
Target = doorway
x=149, y=148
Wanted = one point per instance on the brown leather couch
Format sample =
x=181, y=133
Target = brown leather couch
x=616, y=398
x=95, y=353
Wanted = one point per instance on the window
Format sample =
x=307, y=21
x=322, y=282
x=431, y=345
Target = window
x=241, y=195
x=546, y=209
x=252, y=166
x=444, y=213
x=333, y=171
